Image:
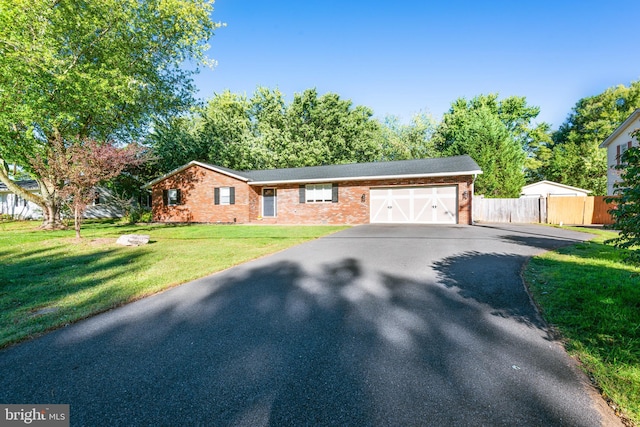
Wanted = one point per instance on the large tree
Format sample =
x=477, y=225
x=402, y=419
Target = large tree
x=576, y=158
x=99, y=69
x=265, y=131
x=497, y=134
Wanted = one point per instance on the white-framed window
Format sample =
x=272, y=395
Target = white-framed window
x=173, y=197
x=318, y=193
x=224, y=195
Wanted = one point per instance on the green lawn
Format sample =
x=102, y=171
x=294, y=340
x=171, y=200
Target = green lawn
x=49, y=279
x=593, y=298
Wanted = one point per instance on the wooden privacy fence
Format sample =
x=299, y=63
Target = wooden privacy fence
x=552, y=210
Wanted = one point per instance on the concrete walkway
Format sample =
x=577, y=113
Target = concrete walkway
x=372, y=326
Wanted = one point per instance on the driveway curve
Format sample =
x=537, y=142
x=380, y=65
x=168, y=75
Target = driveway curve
x=372, y=326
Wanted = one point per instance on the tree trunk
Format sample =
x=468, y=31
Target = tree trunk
x=50, y=204
x=77, y=220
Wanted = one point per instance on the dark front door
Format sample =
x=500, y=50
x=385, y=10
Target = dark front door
x=268, y=202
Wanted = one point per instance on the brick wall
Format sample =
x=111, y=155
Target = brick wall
x=350, y=208
x=197, y=186
x=197, y=200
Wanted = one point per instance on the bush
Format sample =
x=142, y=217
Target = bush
x=138, y=214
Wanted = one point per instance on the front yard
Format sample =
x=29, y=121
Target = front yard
x=593, y=299
x=49, y=279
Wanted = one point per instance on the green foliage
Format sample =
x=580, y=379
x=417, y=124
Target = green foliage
x=264, y=132
x=576, y=158
x=496, y=134
x=408, y=141
x=626, y=214
x=96, y=69
x=137, y=215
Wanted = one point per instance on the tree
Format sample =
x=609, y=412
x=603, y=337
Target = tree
x=496, y=134
x=77, y=169
x=408, y=141
x=576, y=158
x=626, y=214
x=328, y=130
x=97, y=69
x=265, y=132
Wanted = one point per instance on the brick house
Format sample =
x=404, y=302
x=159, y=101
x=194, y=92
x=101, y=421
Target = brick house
x=430, y=191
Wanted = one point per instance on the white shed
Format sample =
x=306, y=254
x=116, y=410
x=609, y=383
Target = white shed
x=549, y=188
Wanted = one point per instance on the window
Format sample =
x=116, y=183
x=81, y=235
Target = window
x=144, y=200
x=318, y=193
x=171, y=197
x=224, y=195
x=620, y=150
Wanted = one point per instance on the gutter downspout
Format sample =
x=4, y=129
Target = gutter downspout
x=473, y=195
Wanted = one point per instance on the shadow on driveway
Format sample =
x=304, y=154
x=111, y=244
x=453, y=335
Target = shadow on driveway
x=279, y=343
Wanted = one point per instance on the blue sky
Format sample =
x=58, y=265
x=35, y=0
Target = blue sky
x=403, y=57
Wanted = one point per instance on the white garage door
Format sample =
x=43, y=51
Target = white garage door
x=426, y=205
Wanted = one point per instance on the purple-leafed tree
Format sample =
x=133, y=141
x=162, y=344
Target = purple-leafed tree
x=76, y=168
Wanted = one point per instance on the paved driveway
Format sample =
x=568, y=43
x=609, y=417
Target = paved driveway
x=375, y=325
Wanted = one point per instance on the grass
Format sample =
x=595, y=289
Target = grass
x=592, y=297
x=49, y=279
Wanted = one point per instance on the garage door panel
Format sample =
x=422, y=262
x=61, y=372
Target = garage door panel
x=427, y=205
x=401, y=209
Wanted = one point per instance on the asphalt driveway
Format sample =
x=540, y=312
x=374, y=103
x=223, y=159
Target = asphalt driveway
x=372, y=326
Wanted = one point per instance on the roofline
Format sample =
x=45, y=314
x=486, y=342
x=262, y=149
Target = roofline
x=620, y=128
x=363, y=178
x=191, y=163
x=546, y=181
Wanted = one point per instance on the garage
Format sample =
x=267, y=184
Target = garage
x=421, y=205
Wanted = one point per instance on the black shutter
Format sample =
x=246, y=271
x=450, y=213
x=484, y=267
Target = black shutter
x=216, y=195
x=178, y=197
x=334, y=193
x=165, y=197
x=302, y=194
x=232, y=195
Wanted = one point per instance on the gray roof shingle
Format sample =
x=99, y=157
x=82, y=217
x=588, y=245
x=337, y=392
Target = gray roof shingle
x=27, y=184
x=458, y=165
x=440, y=166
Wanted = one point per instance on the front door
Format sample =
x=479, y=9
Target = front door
x=269, y=202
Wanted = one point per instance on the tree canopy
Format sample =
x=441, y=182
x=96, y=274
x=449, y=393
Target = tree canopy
x=496, y=133
x=265, y=131
x=576, y=158
x=100, y=69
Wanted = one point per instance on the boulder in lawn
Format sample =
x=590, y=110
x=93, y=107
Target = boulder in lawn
x=133, y=239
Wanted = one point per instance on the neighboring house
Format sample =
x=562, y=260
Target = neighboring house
x=616, y=144
x=549, y=188
x=103, y=206
x=430, y=191
x=15, y=206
